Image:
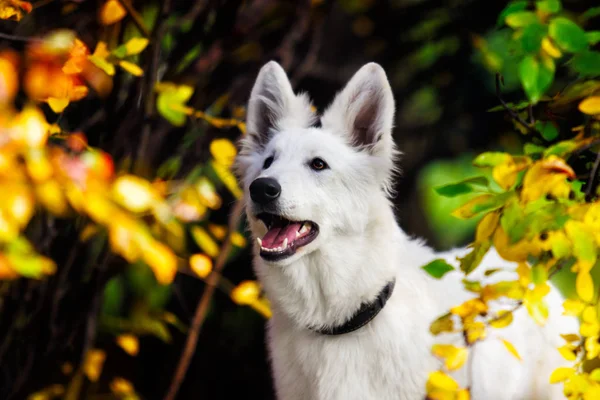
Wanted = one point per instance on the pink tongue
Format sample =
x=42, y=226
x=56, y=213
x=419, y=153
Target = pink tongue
x=276, y=235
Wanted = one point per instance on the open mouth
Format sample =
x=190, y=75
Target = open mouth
x=284, y=237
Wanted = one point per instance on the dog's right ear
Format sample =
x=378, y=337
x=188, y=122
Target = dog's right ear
x=273, y=106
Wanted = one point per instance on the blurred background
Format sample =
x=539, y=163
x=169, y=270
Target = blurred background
x=437, y=55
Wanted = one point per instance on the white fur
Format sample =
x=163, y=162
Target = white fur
x=359, y=249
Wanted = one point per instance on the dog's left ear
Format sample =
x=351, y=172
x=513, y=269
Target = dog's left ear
x=364, y=110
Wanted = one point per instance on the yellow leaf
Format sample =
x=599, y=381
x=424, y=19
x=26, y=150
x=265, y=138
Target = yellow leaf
x=584, y=286
x=505, y=174
x=93, y=364
x=30, y=127
x=112, y=12
x=567, y=352
x=136, y=45
x=201, y=264
x=237, y=239
x=573, y=307
x=475, y=331
x=58, y=105
x=463, y=394
x=121, y=386
x=509, y=346
x=561, y=374
x=218, y=231
x=487, y=226
x=547, y=176
x=454, y=357
x=570, y=337
x=203, y=239
x=207, y=194
x=246, y=292
x=228, y=179
x=469, y=308
x=592, y=347
x=504, y=319
x=535, y=304
x=162, y=261
x=442, y=324
x=132, y=68
x=550, y=48
x=440, y=380
x=590, y=106
x=134, y=193
x=473, y=206
x=223, y=151
x=129, y=343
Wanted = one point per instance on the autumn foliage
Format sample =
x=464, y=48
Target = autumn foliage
x=50, y=174
x=541, y=208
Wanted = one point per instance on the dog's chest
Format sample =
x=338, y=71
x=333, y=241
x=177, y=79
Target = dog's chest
x=363, y=365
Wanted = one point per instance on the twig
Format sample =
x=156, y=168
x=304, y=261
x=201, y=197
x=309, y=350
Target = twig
x=19, y=38
x=514, y=115
x=203, y=304
x=194, y=11
x=135, y=17
x=590, y=185
x=159, y=30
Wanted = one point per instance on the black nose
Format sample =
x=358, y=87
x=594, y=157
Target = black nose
x=264, y=190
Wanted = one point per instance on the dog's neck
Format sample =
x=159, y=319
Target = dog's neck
x=326, y=287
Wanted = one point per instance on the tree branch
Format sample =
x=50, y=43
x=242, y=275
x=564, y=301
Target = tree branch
x=202, y=308
x=514, y=115
x=135, y=17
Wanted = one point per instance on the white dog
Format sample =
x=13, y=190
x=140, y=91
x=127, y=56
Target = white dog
x=329, y=253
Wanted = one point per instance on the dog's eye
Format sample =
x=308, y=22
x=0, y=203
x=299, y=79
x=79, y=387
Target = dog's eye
x=317, y=164
x=268, y=162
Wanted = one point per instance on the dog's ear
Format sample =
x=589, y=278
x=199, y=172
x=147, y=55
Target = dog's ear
x=364, y=109
x=273, y=105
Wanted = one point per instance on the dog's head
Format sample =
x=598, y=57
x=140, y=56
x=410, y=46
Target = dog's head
x=306, y=185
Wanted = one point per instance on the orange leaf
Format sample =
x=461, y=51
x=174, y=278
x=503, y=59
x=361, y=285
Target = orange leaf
x=14, y=9
x=112, y=12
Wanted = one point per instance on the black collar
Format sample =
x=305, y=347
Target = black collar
x=363, y=316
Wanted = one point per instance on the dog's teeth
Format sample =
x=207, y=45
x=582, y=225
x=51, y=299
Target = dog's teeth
x=297, y=234
x=259, y=241
x=304, y=228
x=284, y=245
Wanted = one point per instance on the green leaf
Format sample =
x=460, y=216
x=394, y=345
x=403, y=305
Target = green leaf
x=511, y=8
x=482, y=203
x=539, y=274
x=170, y=99
x=469, y=262
x=189, y=57
x=531, y=41
x=519, y=106
x=591, y=13
x=536, y=77
x=592, y=37
x=561, y=149
x=466, y=186
x=521, y=19
x=472, y=286
x=568, y=35
x=587, y=63
x=548, y=6
x=102, y=64
x=120, y=52
x=547, y=129
x=438, y=268
x=491, y=159
x=112, y=300
x=530, y=148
